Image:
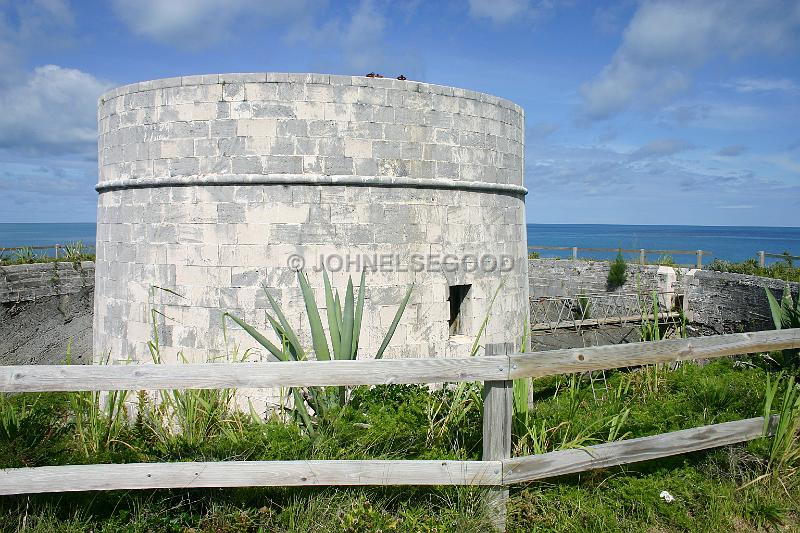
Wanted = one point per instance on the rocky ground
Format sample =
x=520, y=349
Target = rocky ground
x=38, y=332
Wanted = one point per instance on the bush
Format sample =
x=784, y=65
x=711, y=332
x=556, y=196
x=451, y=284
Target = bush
x=783, y=269
x=617, y=275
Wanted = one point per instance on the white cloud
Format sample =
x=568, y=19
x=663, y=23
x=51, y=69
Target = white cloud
x=52, y=111
x=753, y=85
x=201, y=23
x=497, y=10
x=28, y=26
x=661, y=148
x=503, y=11
x=581, y=171
x=362, y=35
x=732, y=150
x=540, y=130
x=668, y=40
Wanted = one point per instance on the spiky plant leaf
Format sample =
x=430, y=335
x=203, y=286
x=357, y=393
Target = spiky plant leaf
x=259, y=338
x=337, y=311
x=775, y=309
x=348, y=319
x=395, y=321
x=333, y=323
x=359, y=314
x=289, y=349
x=287, y=329
x=314, y=321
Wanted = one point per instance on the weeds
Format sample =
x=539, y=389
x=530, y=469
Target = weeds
x=783, y=269
x=784, y=446
x=73, y=252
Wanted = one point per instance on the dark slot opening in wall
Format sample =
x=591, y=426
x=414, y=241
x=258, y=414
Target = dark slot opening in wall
x=457, y=295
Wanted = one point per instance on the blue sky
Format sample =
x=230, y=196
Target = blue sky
x=653, y=112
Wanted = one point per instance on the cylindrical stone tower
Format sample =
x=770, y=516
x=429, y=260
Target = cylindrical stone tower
x=215, y=188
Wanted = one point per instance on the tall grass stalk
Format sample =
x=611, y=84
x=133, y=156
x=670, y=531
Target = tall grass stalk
x=466, y=397
x=784, y=447
x=14, y=413
x=100, y=417
x=185, y=419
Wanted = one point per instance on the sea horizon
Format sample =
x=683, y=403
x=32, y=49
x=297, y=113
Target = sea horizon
x=732, y=243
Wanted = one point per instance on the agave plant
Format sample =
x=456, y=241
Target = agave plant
x=74, y=251
x=785, y=315
x=25, y=255
x=344, y=328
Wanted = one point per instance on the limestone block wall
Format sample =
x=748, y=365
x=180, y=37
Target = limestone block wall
x=568, y=277
x=25, y=283
x=730, y=303
x=209, y=184
x=721, y=302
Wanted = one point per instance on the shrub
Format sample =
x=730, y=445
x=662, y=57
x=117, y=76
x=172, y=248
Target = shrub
x=617, y=275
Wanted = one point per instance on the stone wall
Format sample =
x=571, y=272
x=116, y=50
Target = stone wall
x=210, y=185
x=720, y=302
x=729, y=303
x=567, y=277
x=25, y=283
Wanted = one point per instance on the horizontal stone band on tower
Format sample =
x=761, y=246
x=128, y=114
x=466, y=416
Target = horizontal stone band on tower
x=309, y=179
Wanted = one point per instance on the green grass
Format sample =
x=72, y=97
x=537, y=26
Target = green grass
x=719, y=490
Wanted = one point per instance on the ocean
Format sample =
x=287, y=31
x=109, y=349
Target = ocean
x=734, y=243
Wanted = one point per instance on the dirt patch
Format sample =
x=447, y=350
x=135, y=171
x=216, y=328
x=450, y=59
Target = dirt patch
x=39, y=331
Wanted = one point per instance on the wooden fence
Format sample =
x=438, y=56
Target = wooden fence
x=497, y=370
x=643, y=253
x=762, y=257
x=56, y=247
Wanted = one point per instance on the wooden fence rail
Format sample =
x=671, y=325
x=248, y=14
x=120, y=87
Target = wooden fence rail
x=643, y=252
x=66, y=378
x=762, y=255
x=56, y=247
x=498, y=370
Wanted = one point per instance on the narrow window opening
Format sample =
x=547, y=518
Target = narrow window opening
x=457, y=295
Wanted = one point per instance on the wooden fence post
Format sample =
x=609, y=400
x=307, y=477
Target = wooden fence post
x=761, y=259
x=699, y=259
x=57, y=249
x=497, y=413
x=642, y=256
x=574, y=252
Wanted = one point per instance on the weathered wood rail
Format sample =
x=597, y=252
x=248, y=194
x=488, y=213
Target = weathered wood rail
x=498, y=370
x=56, y=247
x=762, y=257
x=643, y=252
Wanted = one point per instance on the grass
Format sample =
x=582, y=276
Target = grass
x=745, y=487
x=719, y=489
